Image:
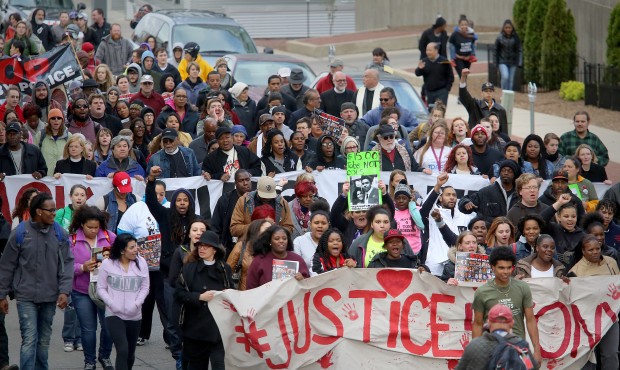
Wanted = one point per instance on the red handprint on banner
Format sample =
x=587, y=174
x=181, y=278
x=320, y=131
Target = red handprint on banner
x=326, y=361
x=614, y=291
x=229, y=306
x=350, y=312
x=464, y=340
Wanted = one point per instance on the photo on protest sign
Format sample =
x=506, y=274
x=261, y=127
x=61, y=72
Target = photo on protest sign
x=283, y=269
x=331, y=125
x=363, y=171
x=472, y=268
x=97, y=256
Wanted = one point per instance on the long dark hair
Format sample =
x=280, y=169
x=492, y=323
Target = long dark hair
x=119, y=245
x=86, y=213
x=263, y=243
x=22, y=205
x=268, y=149
x=542, y=162
x=323, y=250
x=177, y=221
x=186, y=241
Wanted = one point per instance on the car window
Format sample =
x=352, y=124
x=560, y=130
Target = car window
x=48, y=4
x=148, y=26
x=256, y=73
x=214, y=38
x=163, y=36
x=405, y=95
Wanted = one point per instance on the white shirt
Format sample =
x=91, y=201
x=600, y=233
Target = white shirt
x=536, y=273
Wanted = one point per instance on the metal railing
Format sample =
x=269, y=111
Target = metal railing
x=602, y=85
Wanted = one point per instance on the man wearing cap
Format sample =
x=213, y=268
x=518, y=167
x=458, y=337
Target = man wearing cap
x=557, y=187
x=199, y=144
x=311, y=101
x=512, y=293
x=274, y=84
x=437, y=34
x=437, y=73
x=180, y=106
x=17, y=158
x=119, y=199
x=484, y=157
x=114, y=50
x=174, y=160
x=496, y=199
x=296, y=88
x=96, y=104
x=177, y=55
x=367, y=96
x=148, y=95
x=265, y=193
x=327, y=82
x=192, y=54
x=71, y=35
x=481, y=108
x=265, y=123
x=479, y=351
x=222, y=163
x=100, y=26
x=332, y=99
x=357, y=128
x=279, y=119
x=80, y=122
x=89, y=34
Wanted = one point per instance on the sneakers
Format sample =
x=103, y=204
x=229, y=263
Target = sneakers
x=106, y=363
x=78, y=347
x=68, y=347
x=10, y=367
x=90, y=366
x=141, y=341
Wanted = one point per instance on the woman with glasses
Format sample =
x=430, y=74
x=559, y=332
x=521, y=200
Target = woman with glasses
x=327, y=157
x=349, y=145
x=140, y=140
x=53, y=138
x=75, y=161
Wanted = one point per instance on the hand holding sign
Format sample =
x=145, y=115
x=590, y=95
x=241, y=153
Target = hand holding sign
x=364, y=169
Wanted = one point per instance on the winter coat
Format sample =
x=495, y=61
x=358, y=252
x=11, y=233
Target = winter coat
x=116, y=54
x=524, y=267
x=508, y=50
x=242, y=213
x=161, y=159
x=491, y=202
x=52, y=149
x=246, y=114
x=32, y=161
x=192, y=89
x=110, y=166
x=82, y=252
x=189, y=121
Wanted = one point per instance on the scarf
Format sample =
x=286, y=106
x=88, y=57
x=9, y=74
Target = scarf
x=403, y=154
x=302, y=213
x=551, y=157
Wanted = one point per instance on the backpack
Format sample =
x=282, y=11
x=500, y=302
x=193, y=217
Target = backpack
x=20, y=234
x=510, y=356
x=92, y=285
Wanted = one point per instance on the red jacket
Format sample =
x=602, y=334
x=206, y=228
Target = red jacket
x=155, y=101
x=326, y=83
x=18, y=110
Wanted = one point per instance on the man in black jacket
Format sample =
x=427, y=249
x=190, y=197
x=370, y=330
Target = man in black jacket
x=220, y=221
x=97, y=114
x=17, y=158
x=437, y=34
x=274, y=82
x=437, y=73
x=496, y=199
x=481, y=108
x=228, y=158
x=332, y=100
x=484, y=157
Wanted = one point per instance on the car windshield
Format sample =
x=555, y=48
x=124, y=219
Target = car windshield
x=47, y=4
x=212, y=38
x=256, y=73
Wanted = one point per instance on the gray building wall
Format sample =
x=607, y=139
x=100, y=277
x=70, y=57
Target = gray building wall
x=591, y=17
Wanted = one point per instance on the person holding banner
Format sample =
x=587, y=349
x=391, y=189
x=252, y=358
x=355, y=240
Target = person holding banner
x=393, y=257
x=541, y=263
x=330, y=253
x=466, y=242
x=120, y=160
x=75, y=161
x=393, y=155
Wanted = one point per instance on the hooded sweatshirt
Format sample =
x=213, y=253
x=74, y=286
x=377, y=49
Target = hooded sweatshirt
x=46, y=104
x=123, y=291
x=153, y=71
x=134, y=88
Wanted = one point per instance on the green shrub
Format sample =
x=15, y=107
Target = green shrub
x=572, y=90
x=613, y=38
x=519, y=17
x=559, y=46
x=536, y=14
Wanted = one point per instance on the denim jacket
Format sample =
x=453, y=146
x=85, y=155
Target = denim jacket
x=112, y=208
x=161, y=159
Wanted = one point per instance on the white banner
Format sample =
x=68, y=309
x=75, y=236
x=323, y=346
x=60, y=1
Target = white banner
x=206, y=193
x=386, y=318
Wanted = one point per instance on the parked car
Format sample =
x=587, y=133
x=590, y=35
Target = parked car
x=216, y=33
x=25, y=8
x=255, y=69
x=406, y=95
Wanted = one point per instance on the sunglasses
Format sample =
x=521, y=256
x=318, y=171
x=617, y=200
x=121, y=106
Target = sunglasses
x=112, y=93
x=384, y=100
x=81, y=106
x=56, y=119
x=388, y=137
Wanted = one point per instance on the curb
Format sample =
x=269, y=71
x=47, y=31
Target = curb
x=403, y=42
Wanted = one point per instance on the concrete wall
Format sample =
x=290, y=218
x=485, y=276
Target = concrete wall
x=591, y=17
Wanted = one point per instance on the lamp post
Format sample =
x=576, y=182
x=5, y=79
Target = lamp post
x=531, y=95
x=308, y=18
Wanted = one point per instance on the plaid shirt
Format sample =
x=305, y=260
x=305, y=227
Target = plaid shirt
x=570, y=141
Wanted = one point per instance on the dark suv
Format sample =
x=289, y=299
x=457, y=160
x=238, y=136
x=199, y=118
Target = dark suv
x=214, y=32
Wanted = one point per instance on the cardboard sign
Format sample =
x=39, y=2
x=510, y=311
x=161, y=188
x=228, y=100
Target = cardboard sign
x=472, y=268
x=364, y=170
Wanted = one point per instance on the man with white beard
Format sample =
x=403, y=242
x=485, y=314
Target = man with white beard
x=332, y=100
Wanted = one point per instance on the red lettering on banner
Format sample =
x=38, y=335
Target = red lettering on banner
x=287, y=343
x=579, y=321
x=295, y=327
x=566, y=329
x=469, y=317
x=60, y=197
x=436, y=327
x=252, y=339
x=367, y=296
x=329, y=315
x=394, y=324
x=405, y=336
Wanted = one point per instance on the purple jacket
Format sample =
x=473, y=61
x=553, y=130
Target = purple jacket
x=81, y=254
x=123, y=291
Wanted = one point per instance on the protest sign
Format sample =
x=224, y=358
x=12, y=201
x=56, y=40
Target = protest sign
x=388, y=318
x=54, y=67
x=363, y=171
x=331, y=125
x=472, y=268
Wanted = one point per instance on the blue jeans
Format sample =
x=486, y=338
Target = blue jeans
x=508, y=76
x=71, y=332
x=87, y=313
x=35, y=324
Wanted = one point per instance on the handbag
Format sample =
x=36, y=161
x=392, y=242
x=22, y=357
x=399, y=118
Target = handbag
x=236, y=276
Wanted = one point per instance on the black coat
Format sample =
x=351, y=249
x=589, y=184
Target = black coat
x=247, y=116
x=196, y=278
x=32, y=160
x=215, y=161
x=427, y=37
x=490, y=202
x=64, y=166
x=110, y=122
x=287, y=100
x=220, y=220
x=290, y=163
x=478, y=109
x=548, y=199
x=332, y=102
x=188, y=124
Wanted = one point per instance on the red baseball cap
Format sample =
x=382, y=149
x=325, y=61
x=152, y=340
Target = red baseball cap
x=122, y=182
x=499, y=311
x=392, y=233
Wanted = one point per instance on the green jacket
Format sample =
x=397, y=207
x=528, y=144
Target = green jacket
x=64, y=216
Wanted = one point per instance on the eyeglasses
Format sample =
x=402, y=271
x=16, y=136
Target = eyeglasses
x=384, y=100
x=203, y=246
x=328, y=145
x=167, y=140
x=56, y=119
x=530, y=188
x=112, y=93
x=350, y=147
x=84, y=106
x=389, y=137
x=51, y=210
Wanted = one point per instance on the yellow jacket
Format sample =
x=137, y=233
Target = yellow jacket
x=205, y=68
